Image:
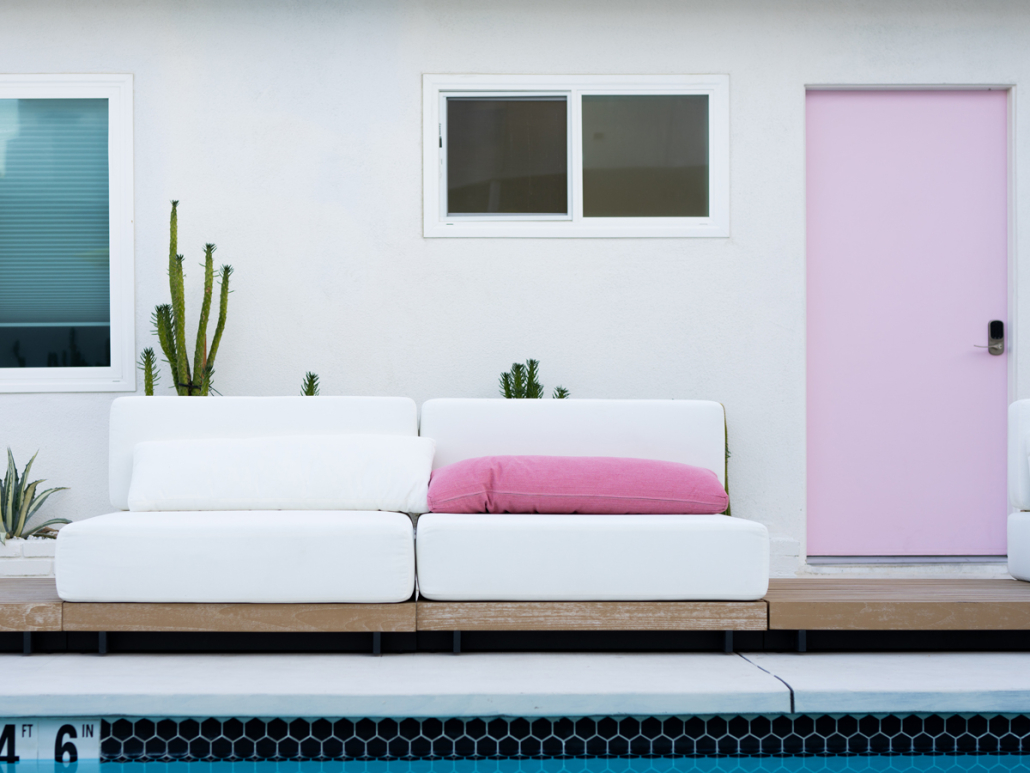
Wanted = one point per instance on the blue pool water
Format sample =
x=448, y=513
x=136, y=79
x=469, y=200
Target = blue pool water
x=872, y=764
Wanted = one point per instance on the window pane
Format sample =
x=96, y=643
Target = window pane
x=54, y=266
x=507, y=156
x=645, y=156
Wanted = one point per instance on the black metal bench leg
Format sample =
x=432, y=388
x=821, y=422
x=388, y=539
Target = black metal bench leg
x=456, y=643
x=802, y=641
x=102, y=642
x=727, y=642
x=377, y=643
x=26, y=643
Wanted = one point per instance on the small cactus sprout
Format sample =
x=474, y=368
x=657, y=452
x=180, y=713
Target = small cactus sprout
x=309, y=387
x=148, y=364
x=170, y=319
x=522, y=382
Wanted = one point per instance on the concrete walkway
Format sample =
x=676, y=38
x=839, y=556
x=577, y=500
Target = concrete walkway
x=910, y=682
x=421, y=685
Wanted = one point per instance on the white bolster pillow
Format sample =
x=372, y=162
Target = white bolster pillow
x=310, y=472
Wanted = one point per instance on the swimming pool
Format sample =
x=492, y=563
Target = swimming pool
x=868, y=764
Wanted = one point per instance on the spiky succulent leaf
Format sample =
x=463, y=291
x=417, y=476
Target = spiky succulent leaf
x=34, y=532
x=27, y=497
x=41, y=498
x=25, y=473
x=560, y=393
x=10, y=487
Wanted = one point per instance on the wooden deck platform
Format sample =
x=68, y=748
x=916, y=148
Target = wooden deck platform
x=28, y=605
x=898, y=605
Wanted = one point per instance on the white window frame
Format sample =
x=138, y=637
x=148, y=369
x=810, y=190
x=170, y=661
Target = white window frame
x=120, y=376
x=437, y=223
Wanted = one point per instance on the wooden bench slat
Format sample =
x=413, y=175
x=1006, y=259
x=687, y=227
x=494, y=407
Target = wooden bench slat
x=254, y=618
x=592, y=615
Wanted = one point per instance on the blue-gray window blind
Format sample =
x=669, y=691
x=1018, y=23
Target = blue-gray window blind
x=54, y=233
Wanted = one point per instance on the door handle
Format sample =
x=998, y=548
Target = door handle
x=995, y=338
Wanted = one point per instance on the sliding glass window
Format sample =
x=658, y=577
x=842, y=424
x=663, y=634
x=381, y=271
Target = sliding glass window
x=576, y=156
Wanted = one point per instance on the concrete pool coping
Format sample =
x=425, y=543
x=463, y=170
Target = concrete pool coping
x=508, y=684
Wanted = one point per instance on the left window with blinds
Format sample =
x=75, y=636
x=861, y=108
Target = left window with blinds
x=66, y=233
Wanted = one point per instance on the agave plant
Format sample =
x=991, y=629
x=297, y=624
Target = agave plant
x=19, y=502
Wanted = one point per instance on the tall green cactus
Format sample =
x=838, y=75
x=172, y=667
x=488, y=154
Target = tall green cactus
x=169, y=321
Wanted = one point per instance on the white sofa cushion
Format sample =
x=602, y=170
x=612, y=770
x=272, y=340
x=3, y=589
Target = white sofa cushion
x=1018, y=450
x=686, y=431
x=138, y=419
x=591, y=558
x=314, y=472
x=1019, y=545
x=270, y=557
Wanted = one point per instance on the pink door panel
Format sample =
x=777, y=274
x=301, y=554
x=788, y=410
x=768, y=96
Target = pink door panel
x=907, y=264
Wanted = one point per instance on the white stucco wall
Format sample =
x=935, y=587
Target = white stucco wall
x=290, y=131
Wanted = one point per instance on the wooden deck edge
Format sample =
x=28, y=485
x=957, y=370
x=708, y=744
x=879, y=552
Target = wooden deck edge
x=592, y=615
x=899, y=615
x=29, y=604
x=31, y=616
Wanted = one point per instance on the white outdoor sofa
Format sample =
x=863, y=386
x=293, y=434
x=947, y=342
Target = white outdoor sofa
x=240, y=556
x=264, y=556
x=530, y=557
x=1019, y=490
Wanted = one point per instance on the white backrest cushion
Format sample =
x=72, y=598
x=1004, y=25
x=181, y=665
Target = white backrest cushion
x=1019, y=449
x=138, y=419
x=316, y=472
x=686, y=431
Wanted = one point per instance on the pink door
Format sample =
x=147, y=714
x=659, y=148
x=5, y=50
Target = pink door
x=907, y=265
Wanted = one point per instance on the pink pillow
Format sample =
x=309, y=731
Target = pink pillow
x=574, y=484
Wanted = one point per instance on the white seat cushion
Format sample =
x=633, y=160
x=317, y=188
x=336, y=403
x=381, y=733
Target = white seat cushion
x=591, y=558
x=1019, y=545
x=268, y=556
